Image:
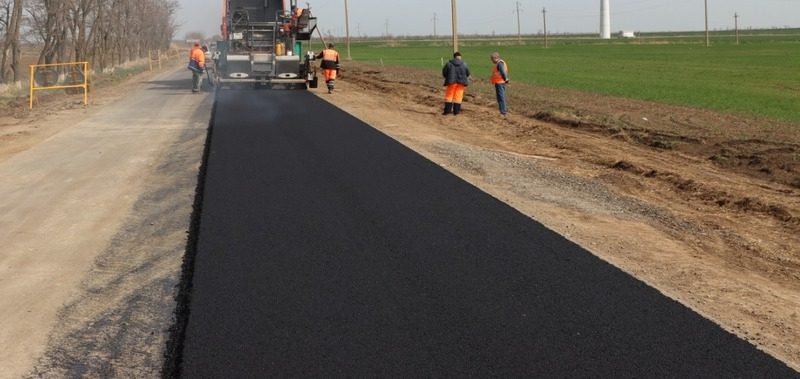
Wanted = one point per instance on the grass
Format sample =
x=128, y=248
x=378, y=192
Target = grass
x=760, y=76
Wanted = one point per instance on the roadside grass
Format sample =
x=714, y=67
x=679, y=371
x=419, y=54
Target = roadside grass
x=758, y=77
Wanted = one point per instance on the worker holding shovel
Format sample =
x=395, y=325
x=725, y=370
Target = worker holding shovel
x=197, y=64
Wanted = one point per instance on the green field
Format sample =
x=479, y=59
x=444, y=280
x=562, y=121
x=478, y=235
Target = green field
x=760, y=76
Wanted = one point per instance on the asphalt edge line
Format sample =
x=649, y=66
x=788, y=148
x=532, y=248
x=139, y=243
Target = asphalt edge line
x=173, y=353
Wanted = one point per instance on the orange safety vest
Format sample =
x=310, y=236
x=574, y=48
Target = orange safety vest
x=198, y=56
x=330, y=55
x=496, y=77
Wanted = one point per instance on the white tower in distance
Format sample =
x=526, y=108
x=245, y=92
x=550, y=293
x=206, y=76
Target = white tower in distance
x=605, y=19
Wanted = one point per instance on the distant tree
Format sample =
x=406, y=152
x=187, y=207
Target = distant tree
x=195, y=36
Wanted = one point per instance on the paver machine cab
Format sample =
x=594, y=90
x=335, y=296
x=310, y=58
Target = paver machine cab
x=263, y=44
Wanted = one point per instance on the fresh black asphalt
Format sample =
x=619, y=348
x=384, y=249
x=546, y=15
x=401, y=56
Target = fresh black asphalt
x=326, y=248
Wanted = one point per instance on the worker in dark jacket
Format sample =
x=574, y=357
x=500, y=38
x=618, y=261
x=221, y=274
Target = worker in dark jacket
x=329, y=65
x=456, y=79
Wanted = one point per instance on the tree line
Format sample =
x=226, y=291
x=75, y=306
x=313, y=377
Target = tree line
x=103, y=32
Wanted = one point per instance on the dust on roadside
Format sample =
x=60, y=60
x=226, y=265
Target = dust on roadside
x=702, y=205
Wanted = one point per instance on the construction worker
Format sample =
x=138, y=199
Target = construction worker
x=197, y=64
x=215, y=57
x=297, y=18
x=329, y=65
x=456, y=79
x=209, y=63
x=499, y=80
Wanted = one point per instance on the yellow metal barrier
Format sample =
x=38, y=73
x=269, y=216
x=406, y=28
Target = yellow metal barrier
x=76, y=75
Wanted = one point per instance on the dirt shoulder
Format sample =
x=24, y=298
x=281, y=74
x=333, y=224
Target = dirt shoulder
x=701, y=205
x=95, y=207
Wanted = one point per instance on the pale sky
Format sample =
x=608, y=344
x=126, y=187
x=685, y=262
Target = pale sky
x=416, y=17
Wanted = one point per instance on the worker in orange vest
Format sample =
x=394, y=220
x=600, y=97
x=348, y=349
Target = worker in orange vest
x=297, y=18
x=197, y=64
x=499, y=80
x=329, y=65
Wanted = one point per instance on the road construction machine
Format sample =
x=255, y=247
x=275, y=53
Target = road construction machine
x=263, y=44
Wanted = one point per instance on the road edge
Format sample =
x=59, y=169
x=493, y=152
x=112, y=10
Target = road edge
x=173, y=353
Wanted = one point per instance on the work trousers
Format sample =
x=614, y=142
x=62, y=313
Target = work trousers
x=329, y=74
x=330, y=77
x=500, y=91
x=197, y=77
x=454, y=93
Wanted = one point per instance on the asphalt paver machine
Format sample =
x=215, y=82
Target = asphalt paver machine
x=263, y=44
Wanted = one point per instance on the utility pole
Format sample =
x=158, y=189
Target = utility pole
x=519, y=28
x=387, y=28
x=736, y=26
x=435, y=19
x=347, y=29
x=455, y=25
x=708, y=40
x=544, y=16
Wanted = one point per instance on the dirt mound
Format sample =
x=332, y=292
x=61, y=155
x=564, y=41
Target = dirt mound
x=710, y=195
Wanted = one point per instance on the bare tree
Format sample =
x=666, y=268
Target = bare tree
x=104, y=32
x=199, y=36
x=11, y=21
x=48, y=21
x=5, y=20
x=81, y=17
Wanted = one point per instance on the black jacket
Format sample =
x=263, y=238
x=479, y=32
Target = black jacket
x=456, y=71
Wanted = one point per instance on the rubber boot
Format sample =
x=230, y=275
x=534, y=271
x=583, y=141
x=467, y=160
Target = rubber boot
x=448, y=108
x=456, y=109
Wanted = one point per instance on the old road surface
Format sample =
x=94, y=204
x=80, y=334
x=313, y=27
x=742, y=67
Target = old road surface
x=325, y=248
x=93, y=223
